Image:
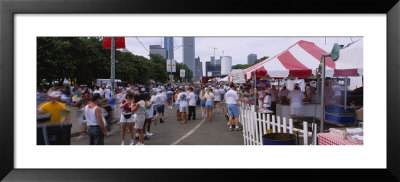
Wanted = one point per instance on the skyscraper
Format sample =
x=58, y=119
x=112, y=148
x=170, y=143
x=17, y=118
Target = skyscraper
x=188, y=53
x=156, y=49
x=169, y=46
x=251, y=58
x=212, y=61
x=199, y=69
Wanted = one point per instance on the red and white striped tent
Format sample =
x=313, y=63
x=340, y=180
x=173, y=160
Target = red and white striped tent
x=300, y=60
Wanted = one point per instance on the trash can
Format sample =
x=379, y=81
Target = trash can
x=279, y=139
x=54, y=134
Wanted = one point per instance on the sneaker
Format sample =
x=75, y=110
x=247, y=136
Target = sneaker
x=230, y=129
x=123, y=143
x=140, y=143
x=238, y=129
x=149, y=134
x=132, y=142
x=227, y=123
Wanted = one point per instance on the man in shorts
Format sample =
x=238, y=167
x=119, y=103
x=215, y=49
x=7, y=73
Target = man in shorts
x=232, y=98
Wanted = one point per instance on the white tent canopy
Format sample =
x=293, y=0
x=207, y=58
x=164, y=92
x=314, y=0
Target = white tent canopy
x=225, y=79
x=350, y=61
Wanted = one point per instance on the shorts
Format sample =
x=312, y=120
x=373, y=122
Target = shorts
x=294, y=110
x=129, y=120
x=177, y=106
x=148, y=120
x=233, y=110
x=140, y=122
x=160, y=108
x=203, y=103
x=183, y=109
x=169, y=99
x=209, y=104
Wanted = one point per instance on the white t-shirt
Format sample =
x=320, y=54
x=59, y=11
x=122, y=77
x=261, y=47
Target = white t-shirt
x=217, y=94
x=192, y=99
x=231, y=97
x=209, y=96
x=107, y=94
x=267, y=101
x=183, y=99
x=159, y=99
x=149, y=113
x=296, y=97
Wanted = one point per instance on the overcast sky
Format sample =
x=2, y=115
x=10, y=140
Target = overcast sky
x=237, y=47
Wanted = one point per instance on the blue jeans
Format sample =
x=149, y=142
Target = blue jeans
x=96, y=135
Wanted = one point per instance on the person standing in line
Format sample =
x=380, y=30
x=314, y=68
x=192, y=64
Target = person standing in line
x=217, y=97
x=261, y=96
x=178, y=113
x=183, y=104
x=95, y=121
x=232, y=100
x=203, y=102
x=149, y=114
x=127, y=117
x=140, y=110
x=296, y=97
x=209, y=102
x=192, y=104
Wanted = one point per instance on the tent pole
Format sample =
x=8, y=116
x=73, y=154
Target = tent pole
x=323, y=94
x=255, y=90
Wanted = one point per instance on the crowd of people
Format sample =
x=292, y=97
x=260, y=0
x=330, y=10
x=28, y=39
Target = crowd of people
x=140, y=104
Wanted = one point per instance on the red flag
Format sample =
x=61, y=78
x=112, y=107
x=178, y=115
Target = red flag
x=119, y=42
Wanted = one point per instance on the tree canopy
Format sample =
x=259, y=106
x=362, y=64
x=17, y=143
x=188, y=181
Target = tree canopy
x=244, y=66
x=83, y=59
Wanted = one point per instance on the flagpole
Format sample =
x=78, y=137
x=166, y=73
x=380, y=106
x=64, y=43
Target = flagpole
x=113, y=64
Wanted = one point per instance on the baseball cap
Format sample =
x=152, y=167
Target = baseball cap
x=54, y=93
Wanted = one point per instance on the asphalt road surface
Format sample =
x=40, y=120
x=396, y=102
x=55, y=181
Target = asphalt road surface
x=172, y=132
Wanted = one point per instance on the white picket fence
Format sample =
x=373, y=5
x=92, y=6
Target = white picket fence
x=255, y=125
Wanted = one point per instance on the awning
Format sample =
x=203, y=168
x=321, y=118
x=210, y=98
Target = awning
x=298, y=61
x=350, y=61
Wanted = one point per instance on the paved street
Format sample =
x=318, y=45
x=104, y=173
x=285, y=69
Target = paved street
x=172, y=132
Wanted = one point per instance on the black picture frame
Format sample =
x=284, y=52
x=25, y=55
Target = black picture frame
x=10, y=8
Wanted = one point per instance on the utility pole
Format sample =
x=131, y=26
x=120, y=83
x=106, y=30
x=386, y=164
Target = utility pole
x=113, y=85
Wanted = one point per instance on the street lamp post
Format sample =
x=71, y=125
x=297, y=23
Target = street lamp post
x=175, y=48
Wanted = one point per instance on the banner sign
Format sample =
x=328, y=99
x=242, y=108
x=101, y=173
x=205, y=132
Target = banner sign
x=119, y=42
x=182, y=73
x=237, y=76
x=171, y=65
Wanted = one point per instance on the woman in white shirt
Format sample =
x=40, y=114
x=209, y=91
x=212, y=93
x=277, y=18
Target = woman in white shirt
x=203, y=102
x=209, y=102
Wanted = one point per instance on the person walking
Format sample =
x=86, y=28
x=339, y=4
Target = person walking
x=92, y=113
x=209, y=102
x=140, y=110
x=217, y=97
x=192, y=104
x=53, y=107
x=203, y=102
x=178, y=113
x=232, y=98
x=183, y=104
x=149, y=114
x=296, y=97
x=127, y=117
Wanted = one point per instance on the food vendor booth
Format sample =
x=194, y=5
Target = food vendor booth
x=304, y=60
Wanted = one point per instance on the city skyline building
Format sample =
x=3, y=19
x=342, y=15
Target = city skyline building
x=189, y=53
x=169, y=46
x=199, y=69
x=251, y=58
x=157, y=49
